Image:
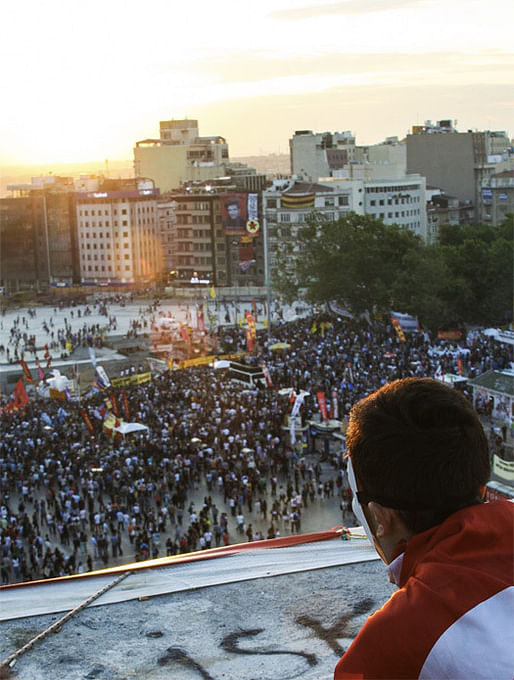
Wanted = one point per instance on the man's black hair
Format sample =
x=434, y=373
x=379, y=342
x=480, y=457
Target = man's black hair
x=418, y=446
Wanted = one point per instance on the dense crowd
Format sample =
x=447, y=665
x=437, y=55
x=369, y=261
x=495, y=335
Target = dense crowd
x=72, y=502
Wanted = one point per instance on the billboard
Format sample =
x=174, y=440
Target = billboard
x=239, y=213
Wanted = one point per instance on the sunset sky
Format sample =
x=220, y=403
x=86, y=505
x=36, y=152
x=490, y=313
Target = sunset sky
x=85, y=81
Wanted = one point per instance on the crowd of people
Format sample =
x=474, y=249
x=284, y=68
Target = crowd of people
x=75, y=499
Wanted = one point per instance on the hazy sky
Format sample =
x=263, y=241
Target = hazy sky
x=84, y=81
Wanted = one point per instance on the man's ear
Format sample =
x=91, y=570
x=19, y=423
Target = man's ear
x=385, y=519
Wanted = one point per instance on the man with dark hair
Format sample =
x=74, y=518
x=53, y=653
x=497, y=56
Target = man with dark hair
x=418, y=462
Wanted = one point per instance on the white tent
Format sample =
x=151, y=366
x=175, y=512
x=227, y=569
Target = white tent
x=126, y=428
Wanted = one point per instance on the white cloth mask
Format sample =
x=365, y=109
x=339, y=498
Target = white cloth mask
x=356, y=506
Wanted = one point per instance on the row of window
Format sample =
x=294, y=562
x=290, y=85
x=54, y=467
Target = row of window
x=95, y=224
x=102, y=258
x=396, y=201
x=382, y=190
x=96, y=268
x=123, y=211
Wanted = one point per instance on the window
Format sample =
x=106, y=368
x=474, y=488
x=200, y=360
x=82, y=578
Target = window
x=343, y=200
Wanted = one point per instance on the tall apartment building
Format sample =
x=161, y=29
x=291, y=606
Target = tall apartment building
x=199, y=243
x=457, y=162
x=118, y=233
x=181, y=155
x=38, y=246
x=288, y=203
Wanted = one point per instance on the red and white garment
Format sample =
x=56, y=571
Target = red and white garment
x=453, y=616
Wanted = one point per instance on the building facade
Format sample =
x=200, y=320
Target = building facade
x=38, y=235
x=288, y=204
x=497, y=197
x=457, y=162
x=200, y=245
x=181, y=155
x=118, y=233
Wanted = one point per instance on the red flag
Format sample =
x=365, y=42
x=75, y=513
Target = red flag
x=26, y=371
x=459, y=365
x=249, y=339
x=114, y=403
x=88, y=422
x=126, y=408
x=322, y=405
x=19, y=400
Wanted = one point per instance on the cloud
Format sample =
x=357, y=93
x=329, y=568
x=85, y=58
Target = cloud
x=348, y=7
x=372, y=113
x=262, y=66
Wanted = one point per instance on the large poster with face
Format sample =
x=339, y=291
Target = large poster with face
x=234, y=213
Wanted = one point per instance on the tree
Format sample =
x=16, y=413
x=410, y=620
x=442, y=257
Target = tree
x=353, y=260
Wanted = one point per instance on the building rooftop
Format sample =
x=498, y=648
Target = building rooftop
x=284, y=612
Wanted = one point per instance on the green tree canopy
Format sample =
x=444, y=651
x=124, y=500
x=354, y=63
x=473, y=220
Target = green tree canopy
x=364, y=264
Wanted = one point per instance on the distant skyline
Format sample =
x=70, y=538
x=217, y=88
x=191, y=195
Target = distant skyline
x=84, y=82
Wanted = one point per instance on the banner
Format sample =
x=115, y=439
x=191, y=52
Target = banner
x=335, y=406
x=449, y=335
x=109, y=424
x=503, y=468
x=87, y=420
x=297, y=200
x=57, y=394
x=125, y=402
x=26, y=371
x=322, y=402
x=183, y=332
x=234, y=213
x=136, y=379
x=297, y=404
x=398, y=328
x=267, y=376
x=40, y=370
x=101, y=377
x=409, y=323
x=114, y=403
x=251, y=325
x=200, y=321
x=249, y=339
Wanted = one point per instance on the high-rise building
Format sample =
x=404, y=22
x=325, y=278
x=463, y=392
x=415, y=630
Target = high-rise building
x=118, y=233
x=457, y=162
x=201, y=244
x=39, y=246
